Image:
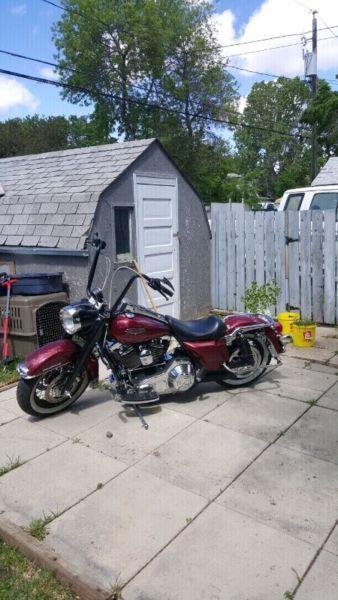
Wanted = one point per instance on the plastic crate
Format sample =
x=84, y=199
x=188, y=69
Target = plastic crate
x=34, y=320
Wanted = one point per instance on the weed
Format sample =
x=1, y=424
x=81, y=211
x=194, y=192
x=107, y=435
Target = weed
x=288, y=595
x=312, y=402
x=188, y=520
x=99, y=486
x=280, y=434
x=38, y=527
x=76, y=440
x=115, y=590
x=12, y=463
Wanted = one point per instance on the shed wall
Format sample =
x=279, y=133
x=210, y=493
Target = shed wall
x=194, y=248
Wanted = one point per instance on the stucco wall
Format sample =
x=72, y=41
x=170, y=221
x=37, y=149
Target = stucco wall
x=75, y=269
x=194, y=235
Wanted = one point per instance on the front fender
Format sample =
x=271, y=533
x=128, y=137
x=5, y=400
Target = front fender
x=53, y=355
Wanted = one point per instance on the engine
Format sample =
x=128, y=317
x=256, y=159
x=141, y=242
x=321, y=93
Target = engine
x=176, y=374
x=143, y=355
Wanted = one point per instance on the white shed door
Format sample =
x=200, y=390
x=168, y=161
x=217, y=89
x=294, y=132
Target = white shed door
x=157, y=237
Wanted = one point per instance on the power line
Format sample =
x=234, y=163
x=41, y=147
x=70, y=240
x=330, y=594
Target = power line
x=148, y=105
x=55, y=65
x=273, y=75
x=276, y=37
x=327, y=26
x=274, y=48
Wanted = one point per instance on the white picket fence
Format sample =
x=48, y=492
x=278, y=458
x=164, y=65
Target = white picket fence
x=252, y=246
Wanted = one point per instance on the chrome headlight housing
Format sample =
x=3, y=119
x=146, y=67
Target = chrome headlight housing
x=70, y=319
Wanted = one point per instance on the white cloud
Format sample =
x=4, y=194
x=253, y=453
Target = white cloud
x=277, y=18
x=242, y=103
x=48, y=73
x=18, y=9
x=13, y=93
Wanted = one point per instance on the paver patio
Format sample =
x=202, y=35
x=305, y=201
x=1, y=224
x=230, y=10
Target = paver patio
x=230, y=495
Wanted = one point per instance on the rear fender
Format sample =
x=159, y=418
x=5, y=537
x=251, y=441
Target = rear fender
x=55, y=354
x=252, y=323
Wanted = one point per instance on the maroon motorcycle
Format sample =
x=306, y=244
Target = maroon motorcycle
x=148, y=354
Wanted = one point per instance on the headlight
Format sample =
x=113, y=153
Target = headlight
x=70, y=319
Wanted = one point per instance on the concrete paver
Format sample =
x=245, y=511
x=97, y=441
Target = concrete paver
x=223, y=556
x=330, y=398
x=315, y=434
x=24, y=439
x=114, y=532
x=6, y=416
x=130, y=441
x=92, y=408
x=258, y=414
x=291, y=491
x=250, y=543
x=203, y=458
x=321, y=583
x=198, y=401
x=54, y=481
x=332, y=543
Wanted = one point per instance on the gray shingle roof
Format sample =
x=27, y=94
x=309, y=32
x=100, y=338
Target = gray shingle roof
x=50, y=199
x=328, y=175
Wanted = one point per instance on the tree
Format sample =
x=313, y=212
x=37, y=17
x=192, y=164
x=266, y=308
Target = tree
x=264, y=154
x=323, y=112
x=35, y=134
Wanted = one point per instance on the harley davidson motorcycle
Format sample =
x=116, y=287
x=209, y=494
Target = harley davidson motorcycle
x=148, y=354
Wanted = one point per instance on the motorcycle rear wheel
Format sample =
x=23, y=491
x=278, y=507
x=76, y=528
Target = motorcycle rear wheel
x=41, y=396
x=262, y=359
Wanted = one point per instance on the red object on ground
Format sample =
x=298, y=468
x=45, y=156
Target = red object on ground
x=7, y=282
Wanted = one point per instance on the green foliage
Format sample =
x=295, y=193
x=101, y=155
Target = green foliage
x=38, y=527
x=20, y=579
x=266, y=155
x=323, y=112
x=33, y=135
x=258, y=298
x=12, y=463
x=8, y=373
x=303, y=322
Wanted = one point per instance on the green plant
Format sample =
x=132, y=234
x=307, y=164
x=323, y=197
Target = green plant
x=99, y=486
x=8, y=373
x=115, y=590
x=12, y=463
x=38, y=527
x=258, y=298
x=288, y=595
x=303, y=322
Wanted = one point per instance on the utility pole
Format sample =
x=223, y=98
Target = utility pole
x=314, y=94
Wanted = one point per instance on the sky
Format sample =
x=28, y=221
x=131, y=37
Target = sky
x=25, y=28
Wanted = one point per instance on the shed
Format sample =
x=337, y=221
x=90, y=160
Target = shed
x=133, y=195
x=328, y=174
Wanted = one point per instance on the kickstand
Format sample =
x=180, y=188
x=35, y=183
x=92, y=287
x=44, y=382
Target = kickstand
x=140, y=416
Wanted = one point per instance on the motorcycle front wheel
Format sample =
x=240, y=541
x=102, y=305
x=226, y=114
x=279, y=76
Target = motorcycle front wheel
x=43, y=396
x=244, y=375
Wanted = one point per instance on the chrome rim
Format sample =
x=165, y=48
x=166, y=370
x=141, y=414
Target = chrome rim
x=47, y=397
x=243, y=375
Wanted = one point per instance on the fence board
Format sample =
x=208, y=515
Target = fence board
x=293, y=268
x=305, y=267
x=240, y=260
x=317, y=266
x=249, y=248
x=280, y=259
x=223, y=264
x=231, y=257
x=329, y=265
x=259, y=246
x=214, y=254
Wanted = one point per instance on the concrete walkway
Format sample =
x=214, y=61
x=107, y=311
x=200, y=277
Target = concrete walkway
x=230, y=495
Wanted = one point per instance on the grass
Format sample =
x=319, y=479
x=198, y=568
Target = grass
x=38, y=527
x=12, y=463
x=8, y=373
x=115, y=590
x=20, y=579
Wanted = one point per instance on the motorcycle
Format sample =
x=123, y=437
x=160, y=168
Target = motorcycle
x=148, y=354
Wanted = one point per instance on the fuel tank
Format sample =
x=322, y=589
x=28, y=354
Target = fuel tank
x=136, y=328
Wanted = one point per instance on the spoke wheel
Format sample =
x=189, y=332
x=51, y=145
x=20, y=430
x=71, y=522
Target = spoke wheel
x=43, y=396
x=241, y=376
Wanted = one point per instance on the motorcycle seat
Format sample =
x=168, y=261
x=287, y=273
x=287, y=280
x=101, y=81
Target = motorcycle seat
x=208, y=328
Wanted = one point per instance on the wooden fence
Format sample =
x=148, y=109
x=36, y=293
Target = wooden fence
x=298, y=250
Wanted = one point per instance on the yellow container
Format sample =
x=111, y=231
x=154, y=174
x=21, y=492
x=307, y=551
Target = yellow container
x=286, y=320
x=304, y=335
